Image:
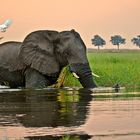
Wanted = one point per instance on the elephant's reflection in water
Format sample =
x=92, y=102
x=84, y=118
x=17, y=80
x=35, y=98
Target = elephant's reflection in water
x=35, y=109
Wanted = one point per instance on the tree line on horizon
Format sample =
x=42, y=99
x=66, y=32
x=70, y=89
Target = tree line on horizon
x=115, y=40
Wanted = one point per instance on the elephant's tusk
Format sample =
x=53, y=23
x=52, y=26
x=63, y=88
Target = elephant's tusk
x=75, y=75
x=95, y=75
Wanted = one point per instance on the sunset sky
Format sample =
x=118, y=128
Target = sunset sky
x=88, y=17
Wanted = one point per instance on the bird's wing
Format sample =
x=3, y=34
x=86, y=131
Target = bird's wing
x=7, y=23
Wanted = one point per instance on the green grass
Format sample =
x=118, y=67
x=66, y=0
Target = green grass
x=122, y=68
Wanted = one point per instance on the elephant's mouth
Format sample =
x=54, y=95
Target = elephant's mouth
x=84, y=74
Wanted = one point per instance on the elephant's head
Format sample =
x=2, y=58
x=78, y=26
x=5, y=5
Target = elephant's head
x=49, y=51
x=71, y=49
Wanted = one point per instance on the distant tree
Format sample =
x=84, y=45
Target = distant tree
x=98, y=41
x=136, y=41
x=117, y=40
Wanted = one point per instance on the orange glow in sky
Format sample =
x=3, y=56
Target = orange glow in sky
x=88, y=17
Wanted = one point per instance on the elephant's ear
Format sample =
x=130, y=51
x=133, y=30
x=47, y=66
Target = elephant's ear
x=40, y=56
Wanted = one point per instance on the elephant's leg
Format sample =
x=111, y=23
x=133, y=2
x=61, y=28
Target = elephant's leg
x=34, y=79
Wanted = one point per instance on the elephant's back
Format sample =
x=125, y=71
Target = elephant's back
x=9, y=43
x=11, y=47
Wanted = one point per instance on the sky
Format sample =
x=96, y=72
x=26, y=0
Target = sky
x=88, y=17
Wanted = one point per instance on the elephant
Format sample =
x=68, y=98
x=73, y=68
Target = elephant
x=38, y=60
x=11, y=68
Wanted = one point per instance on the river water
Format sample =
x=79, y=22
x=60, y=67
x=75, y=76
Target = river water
x=54, y=114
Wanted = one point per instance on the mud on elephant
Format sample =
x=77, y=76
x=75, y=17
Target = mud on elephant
x=39, y=59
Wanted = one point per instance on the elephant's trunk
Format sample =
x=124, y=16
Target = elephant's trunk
x=84, y=73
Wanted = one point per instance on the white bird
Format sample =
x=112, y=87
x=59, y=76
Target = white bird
x=5, y=25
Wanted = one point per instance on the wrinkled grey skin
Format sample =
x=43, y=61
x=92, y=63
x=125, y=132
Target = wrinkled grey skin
x=38, y=60
x=11, y=69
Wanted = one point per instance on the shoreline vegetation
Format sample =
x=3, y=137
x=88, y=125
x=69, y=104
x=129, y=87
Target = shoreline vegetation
x=114, y=67
x=121, y=50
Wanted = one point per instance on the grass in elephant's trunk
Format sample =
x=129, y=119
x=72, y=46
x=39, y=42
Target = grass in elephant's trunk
x=66, y=78
x=61, y=79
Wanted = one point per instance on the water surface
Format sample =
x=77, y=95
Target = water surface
x=52, y=114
